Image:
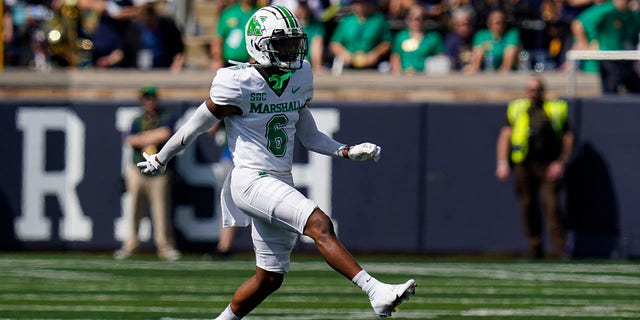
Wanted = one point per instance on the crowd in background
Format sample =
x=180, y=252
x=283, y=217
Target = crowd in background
x=90, y=33
x=399, y=36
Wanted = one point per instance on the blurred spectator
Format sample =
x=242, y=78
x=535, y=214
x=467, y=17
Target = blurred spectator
x=454, y=4
x=362, y=39
x=148, y=134
x=570, y=10
x=322, y=10
x=15, y=37
x=24, y=36
x=525, y=16
x=109, y=38
x=228, y=42
x=541, y=40
x=396, y=9
x=496, y=47
x=613, y=26
x=153, y=41
x=109, y=34
x=125, y=9
x=65, y=31
x=537, y=142
x=436, y=10
x=413, y=45
x=325, y=10
x=82, y=30
x=396, y=13
x=557, y=30
x=482, y=9
x=315, y=32
x=459, y=42
x=558, y=16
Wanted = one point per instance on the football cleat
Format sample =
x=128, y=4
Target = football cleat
x=387, y=299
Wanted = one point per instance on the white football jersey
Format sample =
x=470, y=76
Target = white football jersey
x=263, y=136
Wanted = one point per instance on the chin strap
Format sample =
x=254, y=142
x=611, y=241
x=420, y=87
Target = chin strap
x=257, y=65
x=244, y=64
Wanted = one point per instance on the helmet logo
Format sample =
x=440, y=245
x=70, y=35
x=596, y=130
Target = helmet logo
x=255, y=26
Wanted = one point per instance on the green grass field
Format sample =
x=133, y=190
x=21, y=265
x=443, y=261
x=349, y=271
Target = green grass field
x=94, y=286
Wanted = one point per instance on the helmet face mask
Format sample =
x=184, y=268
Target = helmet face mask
x=287, y=51
x=275, y=37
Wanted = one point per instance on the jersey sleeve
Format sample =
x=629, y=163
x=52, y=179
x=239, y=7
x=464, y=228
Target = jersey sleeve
x=308, y=80
x=312, y=138
x=225, y=88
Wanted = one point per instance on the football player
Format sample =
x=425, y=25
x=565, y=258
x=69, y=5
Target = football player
x=264, y=104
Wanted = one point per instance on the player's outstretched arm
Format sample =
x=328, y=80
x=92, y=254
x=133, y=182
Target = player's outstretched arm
x=199, y=123
x=316, y=141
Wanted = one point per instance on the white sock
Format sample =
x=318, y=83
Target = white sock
x=227, y=314
x=366, y=282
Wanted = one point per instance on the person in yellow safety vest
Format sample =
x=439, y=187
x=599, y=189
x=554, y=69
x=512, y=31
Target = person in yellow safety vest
x=536, y=144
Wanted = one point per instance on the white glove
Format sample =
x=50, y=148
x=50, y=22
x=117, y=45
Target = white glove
x=364, y=151
x=152, y=166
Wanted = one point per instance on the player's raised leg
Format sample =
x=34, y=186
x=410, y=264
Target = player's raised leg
x=384, y=297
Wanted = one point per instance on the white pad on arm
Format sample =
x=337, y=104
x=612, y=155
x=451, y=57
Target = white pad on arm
x=313, y=139
x=200, y=122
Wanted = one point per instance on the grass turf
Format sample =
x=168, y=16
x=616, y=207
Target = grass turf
x=94, y=286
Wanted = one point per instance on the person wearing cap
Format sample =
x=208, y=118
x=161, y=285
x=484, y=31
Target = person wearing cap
x=149, y=132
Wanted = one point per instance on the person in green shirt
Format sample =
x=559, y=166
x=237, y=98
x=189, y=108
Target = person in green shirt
x=612, y=26
x=412, y=45
x=496, y=47
x=362, y=39
x=228, y=41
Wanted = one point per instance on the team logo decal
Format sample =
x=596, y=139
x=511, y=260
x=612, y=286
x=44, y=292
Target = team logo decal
x=255, y=26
